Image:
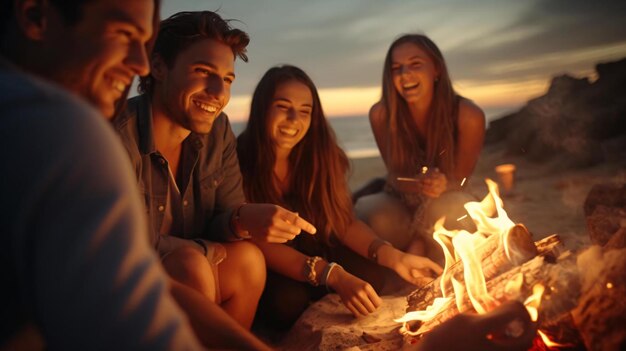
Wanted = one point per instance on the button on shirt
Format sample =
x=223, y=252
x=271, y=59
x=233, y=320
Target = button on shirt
x=211, y=180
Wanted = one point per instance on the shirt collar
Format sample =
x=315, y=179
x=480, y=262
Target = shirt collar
x=146, y=135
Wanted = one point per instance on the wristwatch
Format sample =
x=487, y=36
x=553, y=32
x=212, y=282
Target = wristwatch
x=235, y=225
x=372, y=250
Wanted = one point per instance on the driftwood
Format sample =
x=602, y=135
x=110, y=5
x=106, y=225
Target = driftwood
x=494, y=261
x=583, y=303
x=549, y=247
x=560, y=280
x=558, y=274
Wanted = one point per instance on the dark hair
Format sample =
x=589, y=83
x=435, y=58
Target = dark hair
x=403, y=151
x=317, y=165
x=71, y=11
x=183, y=29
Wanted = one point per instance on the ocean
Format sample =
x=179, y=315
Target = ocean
x=354, y=133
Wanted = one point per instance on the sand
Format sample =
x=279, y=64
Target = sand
x=364, y=169
x=545, y=197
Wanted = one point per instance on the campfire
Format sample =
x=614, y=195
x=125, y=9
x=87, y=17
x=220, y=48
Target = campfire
x=501, y=262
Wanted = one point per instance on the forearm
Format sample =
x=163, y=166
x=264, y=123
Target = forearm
x=284, y=260
x=211, y=324
x=293, y=264
x=360, y=237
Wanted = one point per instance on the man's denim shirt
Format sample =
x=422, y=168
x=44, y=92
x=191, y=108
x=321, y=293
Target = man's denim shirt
x=214, y=185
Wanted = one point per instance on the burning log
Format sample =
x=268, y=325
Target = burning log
x=494, y=261
x=550, y=247
x=558, y=274
x=528, y=275
x=496, y=264
x=497, y=257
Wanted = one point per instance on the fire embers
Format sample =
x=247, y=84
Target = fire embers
x=472, y=258
x=498, y=263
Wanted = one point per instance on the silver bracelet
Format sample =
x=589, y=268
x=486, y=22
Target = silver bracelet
x=326, y=273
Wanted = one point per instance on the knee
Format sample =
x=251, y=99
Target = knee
x=189, y=266
x=365, y=206
x=248, y=259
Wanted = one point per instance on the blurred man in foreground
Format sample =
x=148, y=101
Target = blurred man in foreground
x=78, y=271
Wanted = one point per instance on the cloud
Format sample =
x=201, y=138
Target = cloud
x=342, y=43
x=555, y=35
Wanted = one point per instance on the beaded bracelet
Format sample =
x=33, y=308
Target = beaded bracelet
x=309, y=270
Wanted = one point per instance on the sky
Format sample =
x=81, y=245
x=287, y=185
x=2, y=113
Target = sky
x=500, y=53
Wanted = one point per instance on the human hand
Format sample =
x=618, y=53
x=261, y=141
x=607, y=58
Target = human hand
x=272, y=223
x=357, y=295
x=487, y=332
x=416, y=270
x=434, y=183
x=408, y=185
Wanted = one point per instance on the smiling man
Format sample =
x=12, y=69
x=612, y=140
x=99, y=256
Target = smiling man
x=184, y=154
x=96, y=58
x=77, y=271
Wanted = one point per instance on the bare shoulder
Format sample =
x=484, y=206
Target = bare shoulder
x=377, y=114
x=470, y=115
x=378, y=123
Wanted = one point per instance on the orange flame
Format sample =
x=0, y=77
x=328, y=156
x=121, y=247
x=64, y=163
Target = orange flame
x=532, y=305
x=549, y=343
x=533, y=301
x=460, y=245
x=430, y=312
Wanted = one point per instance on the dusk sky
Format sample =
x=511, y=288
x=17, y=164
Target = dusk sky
x=500, y=53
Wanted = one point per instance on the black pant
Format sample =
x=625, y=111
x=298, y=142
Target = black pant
x=285, y=299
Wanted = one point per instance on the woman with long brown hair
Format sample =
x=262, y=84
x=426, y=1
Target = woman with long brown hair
x=429, y=138
x=289, y=156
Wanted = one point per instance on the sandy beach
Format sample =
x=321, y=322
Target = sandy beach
x=546, y=199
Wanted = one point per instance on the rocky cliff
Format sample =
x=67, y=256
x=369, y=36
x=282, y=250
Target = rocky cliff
x=580, y=121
